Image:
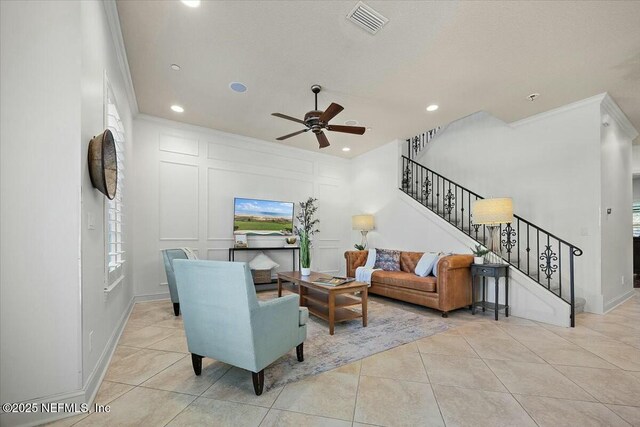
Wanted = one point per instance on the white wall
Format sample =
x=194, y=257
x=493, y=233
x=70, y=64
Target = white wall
x=54, y=57
x=402, y=223
x=617, y=195
x=40, y=181
x=549, y=164
x=186, y=178
x=635, y=155
x=636, y=189
x=102, y=315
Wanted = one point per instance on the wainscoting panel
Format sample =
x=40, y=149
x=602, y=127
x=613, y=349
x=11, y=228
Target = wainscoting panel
x=223, y=186
x=187, y=178
x=178, y=201
x=261, y=158
x=180, y=145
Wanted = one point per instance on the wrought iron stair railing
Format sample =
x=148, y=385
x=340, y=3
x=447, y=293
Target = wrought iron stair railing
x=539, y=254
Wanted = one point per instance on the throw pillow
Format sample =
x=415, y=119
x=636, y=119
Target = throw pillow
x=387, y=259
x=435, y=264
x=425, y=265
x=262, y=262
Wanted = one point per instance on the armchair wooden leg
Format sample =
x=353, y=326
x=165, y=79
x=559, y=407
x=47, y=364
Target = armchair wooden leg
x=176, y=308
x=197, y=363
x=300, y=352
x=258, y=382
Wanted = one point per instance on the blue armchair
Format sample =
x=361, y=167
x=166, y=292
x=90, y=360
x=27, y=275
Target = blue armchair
x=224, y=320
x=169, y=255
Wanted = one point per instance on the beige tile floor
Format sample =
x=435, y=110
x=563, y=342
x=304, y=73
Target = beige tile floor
x=480, y=372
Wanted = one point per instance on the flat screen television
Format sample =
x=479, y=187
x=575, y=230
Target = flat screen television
x=262, y=217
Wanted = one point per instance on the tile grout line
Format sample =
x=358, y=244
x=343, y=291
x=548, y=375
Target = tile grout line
x=465, y=321
x=355, y=404
x=507, y=388
x=435, y=397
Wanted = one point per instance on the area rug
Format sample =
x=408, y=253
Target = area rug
x=388, y=327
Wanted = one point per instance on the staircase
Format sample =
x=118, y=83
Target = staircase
x=543, y=257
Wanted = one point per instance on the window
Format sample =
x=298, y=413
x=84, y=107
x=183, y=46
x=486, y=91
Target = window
x=114, y=208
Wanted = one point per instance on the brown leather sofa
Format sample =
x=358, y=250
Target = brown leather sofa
x=449, y=291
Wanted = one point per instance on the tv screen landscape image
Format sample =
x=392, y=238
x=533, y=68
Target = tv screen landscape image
x=262, y=217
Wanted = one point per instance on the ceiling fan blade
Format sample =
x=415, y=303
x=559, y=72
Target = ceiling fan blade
x=284, y=116
x=333, y=110
x=358, y=130
x=322, y=139
x=292, y=134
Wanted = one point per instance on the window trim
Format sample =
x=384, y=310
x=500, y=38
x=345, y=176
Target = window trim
x=114, y=275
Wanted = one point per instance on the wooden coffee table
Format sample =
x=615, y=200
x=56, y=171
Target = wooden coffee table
x=328, y=302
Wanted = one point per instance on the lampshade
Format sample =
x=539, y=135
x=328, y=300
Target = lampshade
x=493, y=211
x=362, y=222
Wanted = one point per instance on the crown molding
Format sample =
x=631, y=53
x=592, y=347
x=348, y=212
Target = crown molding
x=610, y=107
x=597, y=99
x=116, y=33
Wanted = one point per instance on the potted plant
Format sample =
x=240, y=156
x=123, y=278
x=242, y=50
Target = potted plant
x=306, y=229
x=359, y=247
x=478, y=254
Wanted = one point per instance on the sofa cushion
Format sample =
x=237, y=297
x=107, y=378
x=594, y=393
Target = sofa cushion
x=409, y=260
x=425, y=265
x=387, y=259
x=403, y=279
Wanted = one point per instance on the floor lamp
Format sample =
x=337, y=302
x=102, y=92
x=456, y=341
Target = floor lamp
x=364, y=223
x=492, y=213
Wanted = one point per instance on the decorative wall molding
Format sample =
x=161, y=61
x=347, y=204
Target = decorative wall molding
x=328, y=170
x=163, y=138
x=197, y=203
x=230, y=166
x=271, y=147
x=292, y=162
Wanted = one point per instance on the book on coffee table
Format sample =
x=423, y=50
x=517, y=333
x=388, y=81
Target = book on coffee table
x=333, y=281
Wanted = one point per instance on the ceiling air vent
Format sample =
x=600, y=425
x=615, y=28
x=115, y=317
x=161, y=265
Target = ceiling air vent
x=367, y=18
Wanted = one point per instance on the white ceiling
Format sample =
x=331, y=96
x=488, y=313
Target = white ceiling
x=464, y=56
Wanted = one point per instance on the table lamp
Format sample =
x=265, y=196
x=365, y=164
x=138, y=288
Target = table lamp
x=492, y=213
x=364, y=223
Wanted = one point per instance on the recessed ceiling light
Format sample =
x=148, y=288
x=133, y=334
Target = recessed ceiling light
x=177, y=109
x=351, y=123
x=346, y=149
x=533, y=96
x=238, y=87
x=191, y=3
x=175, y=67
x=432, y=107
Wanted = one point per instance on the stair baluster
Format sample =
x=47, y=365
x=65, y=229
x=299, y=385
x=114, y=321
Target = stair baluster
x=422, y=184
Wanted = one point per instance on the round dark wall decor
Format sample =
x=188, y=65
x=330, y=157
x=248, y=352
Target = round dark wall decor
x=103, y=164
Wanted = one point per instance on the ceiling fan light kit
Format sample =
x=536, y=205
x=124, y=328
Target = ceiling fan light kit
x=317, y=120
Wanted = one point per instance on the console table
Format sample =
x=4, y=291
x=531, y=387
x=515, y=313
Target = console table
x=293, y=249
x=490, y=270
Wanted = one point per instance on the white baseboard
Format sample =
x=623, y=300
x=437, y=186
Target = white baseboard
x=86, y=395
x=610, y=305
x=151, y=297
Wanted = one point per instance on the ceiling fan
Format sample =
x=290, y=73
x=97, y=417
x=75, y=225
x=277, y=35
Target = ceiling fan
x=317, y=120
